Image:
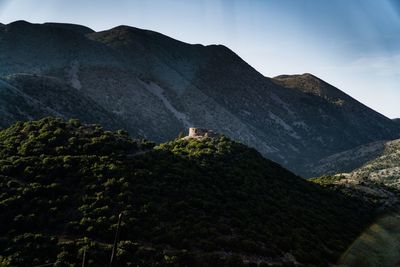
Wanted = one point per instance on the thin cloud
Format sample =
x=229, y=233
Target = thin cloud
x=388, y=66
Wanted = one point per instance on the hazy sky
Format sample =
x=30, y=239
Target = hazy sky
x=352, y=44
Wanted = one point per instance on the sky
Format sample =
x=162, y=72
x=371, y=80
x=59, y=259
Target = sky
x=352, y=44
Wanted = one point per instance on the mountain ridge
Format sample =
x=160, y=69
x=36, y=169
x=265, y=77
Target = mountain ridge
x=72, y=27
x=156, y=86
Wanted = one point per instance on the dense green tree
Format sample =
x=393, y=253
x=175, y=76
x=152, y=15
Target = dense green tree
x=188, y=202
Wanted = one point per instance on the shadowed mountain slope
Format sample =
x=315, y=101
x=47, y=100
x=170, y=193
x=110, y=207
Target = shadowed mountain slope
x=155, y=86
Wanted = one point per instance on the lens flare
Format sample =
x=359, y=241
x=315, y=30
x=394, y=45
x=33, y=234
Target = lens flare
x=377, y=246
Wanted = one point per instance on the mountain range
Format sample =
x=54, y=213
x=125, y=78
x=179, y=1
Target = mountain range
x=156, y=87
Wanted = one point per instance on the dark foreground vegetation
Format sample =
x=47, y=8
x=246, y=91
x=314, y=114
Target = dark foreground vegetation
x=196, y=202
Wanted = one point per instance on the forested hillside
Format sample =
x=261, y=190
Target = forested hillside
x=187, y=202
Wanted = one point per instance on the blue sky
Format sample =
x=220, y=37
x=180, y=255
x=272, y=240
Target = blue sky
x=352, y=44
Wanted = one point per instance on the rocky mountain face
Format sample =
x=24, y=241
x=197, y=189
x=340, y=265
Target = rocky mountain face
x=384, y=168
x=40, y=96
x=349, y=160
x=156, y=87
x=377, y=162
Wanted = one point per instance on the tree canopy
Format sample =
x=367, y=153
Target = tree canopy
x=187, y=202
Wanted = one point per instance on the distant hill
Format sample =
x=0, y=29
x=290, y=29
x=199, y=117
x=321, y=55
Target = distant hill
x=374, y=192
x=385, y=168
x=349, y=160
x=187, y=202
x=377, y=162
x=156, y=87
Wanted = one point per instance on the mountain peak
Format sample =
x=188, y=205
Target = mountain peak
x=122, y=30
x=311, y=84
x=22, y=24
x=125, y=33
x=304, y=75
x=125, y=28
x=306, y=82
x=19, y=22
x=72, y=27
x=19, y=25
